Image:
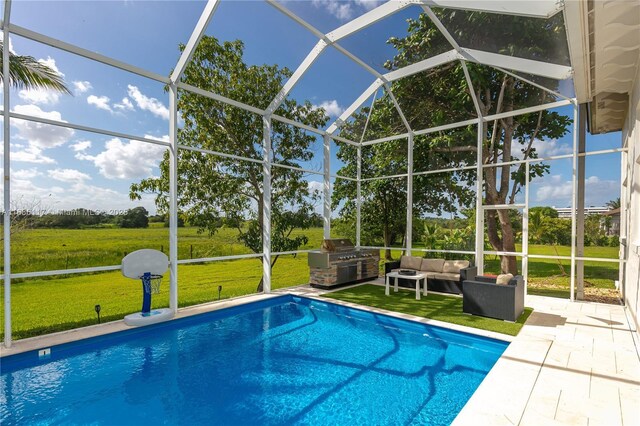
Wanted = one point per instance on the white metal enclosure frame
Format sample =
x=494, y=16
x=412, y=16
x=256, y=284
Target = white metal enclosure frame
x=504, y=63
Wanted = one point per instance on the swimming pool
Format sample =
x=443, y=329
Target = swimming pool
x=283, y=360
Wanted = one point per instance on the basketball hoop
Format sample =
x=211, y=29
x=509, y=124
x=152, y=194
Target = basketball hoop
x=148, y=266
x=151, y=283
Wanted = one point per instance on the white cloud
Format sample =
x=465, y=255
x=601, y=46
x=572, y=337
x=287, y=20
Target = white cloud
x=331, y=108
x=547, y=148
x=81, y=146
x=10, y=43
x=340, y=9
x=369, y=4
x=125, y=105
x=51, y=63
x=345, y=10
x=553, y=190
x=55, y=198
x=37, y=134
x=152, y=105
x=315, y=186
x=42, y=96
x=39, y=96
x=25, y=173
x=31, y=154
x=81, y=87
x=127, y=160
x=100, y=102
x=68, y=175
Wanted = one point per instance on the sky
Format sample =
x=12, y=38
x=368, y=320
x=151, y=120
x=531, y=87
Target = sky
x=56, y=169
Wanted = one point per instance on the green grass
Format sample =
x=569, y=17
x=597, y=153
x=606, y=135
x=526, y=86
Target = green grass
x=434, y=306
x=545, y=276
x=41, y=306
x=52, y=249
x=48, y=304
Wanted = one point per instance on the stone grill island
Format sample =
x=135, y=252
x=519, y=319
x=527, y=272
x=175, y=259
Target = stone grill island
x=338, y=262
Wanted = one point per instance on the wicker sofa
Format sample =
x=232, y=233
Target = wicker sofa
x=482, y=296
x=445, y=276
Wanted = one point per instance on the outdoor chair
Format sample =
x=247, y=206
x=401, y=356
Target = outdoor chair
x=482, y=296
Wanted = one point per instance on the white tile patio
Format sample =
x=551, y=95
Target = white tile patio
x=572, y=363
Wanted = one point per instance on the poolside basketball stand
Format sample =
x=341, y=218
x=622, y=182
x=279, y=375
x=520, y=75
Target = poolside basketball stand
x=148, y=266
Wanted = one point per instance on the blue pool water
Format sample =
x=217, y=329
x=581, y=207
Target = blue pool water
x=285, y=360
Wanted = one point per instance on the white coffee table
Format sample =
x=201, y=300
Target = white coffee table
x=417, y=277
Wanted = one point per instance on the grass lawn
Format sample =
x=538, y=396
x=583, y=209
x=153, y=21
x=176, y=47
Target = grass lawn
x=434, y=306
x=55, y=303
x=52, y=249
x=45, y=305
x=546, y=277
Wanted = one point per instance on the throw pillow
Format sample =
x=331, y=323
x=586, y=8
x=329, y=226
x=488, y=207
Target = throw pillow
x=432, y=265
x=404, y=262
x=454, y=266
x=504, y=279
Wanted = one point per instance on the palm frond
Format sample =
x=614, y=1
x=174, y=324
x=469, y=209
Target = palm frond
x=25, y=72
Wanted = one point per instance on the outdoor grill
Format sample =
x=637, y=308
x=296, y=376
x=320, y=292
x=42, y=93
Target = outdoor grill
x=339, y=262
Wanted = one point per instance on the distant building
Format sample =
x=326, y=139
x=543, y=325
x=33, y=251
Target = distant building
x=611, y=226
x=565, y=212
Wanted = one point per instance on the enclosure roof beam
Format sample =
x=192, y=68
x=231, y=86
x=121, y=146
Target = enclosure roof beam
x=538, y=9
x=198, y=32
x=452, y=41
x=435, y=61
x=299, y=20
x=314, y=54
x=387, y=86
x=59, y=44
x=440, y=26
x=533, y=9
x=474, y=121
x=522, y=111
x=539, y=86
x=354, y=106
x=369, y=18
x=389, y=77
x=543, y=69
x=296, y=76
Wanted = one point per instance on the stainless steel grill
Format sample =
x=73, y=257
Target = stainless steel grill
x=339, y=262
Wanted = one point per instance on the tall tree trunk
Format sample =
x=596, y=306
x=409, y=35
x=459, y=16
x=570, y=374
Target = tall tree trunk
x=508, y=264
x=492, y=230
x=386, y=236
x=260, y=288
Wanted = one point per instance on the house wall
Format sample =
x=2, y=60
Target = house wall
x=630, y=196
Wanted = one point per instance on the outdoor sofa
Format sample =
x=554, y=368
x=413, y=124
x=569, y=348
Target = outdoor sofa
x=445, y=276
x=482, y=296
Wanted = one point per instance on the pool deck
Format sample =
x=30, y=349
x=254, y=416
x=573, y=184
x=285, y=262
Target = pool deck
x=571, y=364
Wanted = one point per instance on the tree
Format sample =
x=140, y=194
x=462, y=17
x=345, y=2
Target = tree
x=546, y=229
x=213, y=189
x=25, y=72
x=430, y=236
x=135, y=218
x=613, y=204
x=383, y=216
x=440, y=96
x=545, y=211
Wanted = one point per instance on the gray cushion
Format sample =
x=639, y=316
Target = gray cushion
x=432, y=265
x=410, y=262
x=454, y=266
x=446, y=276
x=504, y=279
